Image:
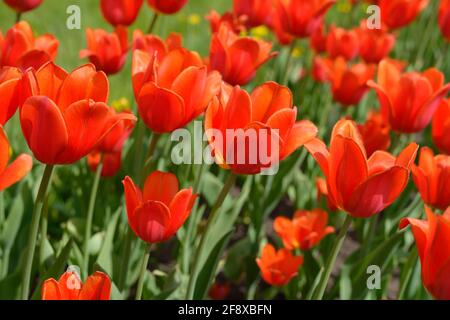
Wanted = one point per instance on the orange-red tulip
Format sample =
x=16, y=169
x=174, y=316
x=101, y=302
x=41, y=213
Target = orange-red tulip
x=341, y=42
x=157, y=212
x=70, y=287
x=278, y=267
x=374, y=44
x=66, y=116
x=120, y=12
x=362, y=187
x=322, y=192
x=237, y=58
x=267, y=110
x=318, y=40
x=444, y=18
x=21, y=49
x=432, y=241
x=432, y=178
x=375, y=133
x=167, y=6
x=398, y=13
x=23, y=5
x=9, y=92
x=257, y=12
x=155, y=45
x=304, y=231
x=441, y=127
x=409, y=100
x=179, y=81
x=300, y=18
x=106, y=51
x=15, y=171
x=234, y=22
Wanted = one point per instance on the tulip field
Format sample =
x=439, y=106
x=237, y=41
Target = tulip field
x=225, y=150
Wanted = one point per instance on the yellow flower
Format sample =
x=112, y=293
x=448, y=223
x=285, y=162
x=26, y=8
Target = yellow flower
x=194, y=19
x=260, y=32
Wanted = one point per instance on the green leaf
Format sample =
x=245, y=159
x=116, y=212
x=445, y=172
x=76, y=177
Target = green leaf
x=105, y=258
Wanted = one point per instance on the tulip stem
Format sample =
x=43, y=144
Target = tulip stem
x=220, y=199
x=148, y=157
x=18, y=17
x=287, y=67
x=332, y=259
x=152, y=23
x=90, y=217
x=143, y=273
x=34, y=227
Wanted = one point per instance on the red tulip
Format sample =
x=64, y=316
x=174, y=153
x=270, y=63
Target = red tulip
x=15, y=171
x=444, y=18
x=300, y=18
x=23, y=5
x=167, y=6
x=21, y=49
x=69, y=108
x=157, y=212
x=237, y=58
x=432, y=178
x=234, y=22
x=260, y=115
x=278, y=267
x=374, y=44
x=398, y=13
x=432, y=239
x=121, y=12
x=304, y=231
x=107, y=51
x=219, y=291
x=70, y=287
x=9, y=92
x=322, y=192
x=255, y=11
x=408, y=101
x=441, y=127
x=375, y=133
x=179, y=81
x=341, y=42
x=362, y=187
x=155, y=45
x=318, y=40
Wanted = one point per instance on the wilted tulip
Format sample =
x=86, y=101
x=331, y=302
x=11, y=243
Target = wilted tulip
x=69, y=108
x=167, y=6
x=374, y=44
x=278, y=267
x=362, y=187
x=257, y=12
x=409, y=100
x=398, y=13
x=432, y=238
x=237, y=58
x=106, y=51
x=9, y=92
x=341, y=42
x=441, y=127
x=267, y=116
x=304, y=231
x=444, y=18
x=70, y=287
x=375, y=133
x=157, y=212
x=120, y=12
x=23, y=5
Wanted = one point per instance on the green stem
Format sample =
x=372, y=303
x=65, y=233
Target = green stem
x=332, y=258
x=36, y=216
x=2, y=208
x=18, y=17
x=90, y=217
x=138, y=149
x=220, y=199
x=143, y=272
x=43, y=237
x=148, y=157
x=287, y=67
x=152, y=23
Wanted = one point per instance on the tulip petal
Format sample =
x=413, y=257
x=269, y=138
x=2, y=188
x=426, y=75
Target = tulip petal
x=4, y=150
x=180, y=208
x=268, y=99
x=50, y=290
x=238, y=113
x=18, y=169
x=150, y=221
x=133, y=196
x=160, y=186
x=302, y=132
x=96, y=287
x=70, y=285
x=50, y=78
x=320, y=153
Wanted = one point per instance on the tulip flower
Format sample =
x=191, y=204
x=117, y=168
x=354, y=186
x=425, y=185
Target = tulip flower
x=155, y=45
x=318, y=40
x=120, y=12
x=256, y=12
x=341, y=42
x=300, y=18
x=432, y=238
x=167, y=6
x=23, y=5
x=322, y=192
x=69, y=108
x=179, y=81
x=362, y=187
x=21, y=49
x=15, y=171
x=219, y=291
x=374, y=44
x=234, y=22
x=106, y=51
x=278, y=267
x=409, y=100
x=237, y=58
x=399, y=13
x=70, y=287
x=375, y=133
x=441, y=127
x=9, y=92
x=304, y=231
x=444, y=18
x=157, y=212
x=267, y=116
x=431, y=177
